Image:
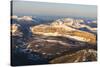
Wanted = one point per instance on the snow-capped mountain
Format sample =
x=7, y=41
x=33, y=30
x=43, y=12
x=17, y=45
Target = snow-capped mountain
x=40, y=40
x=80, y=24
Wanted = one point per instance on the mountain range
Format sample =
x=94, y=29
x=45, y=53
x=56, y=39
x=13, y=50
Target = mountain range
x=35, y=39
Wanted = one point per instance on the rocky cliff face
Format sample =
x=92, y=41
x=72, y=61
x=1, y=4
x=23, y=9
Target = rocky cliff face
x=81, y=55
x=64, y=31
x=15, y=30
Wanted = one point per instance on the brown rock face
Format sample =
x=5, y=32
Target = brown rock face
x=15, y=30
x=64, y=31
x=79, y=56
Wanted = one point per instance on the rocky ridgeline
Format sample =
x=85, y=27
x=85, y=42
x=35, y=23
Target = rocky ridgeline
x=79, y=56
x=77, y=24
x=64, y=31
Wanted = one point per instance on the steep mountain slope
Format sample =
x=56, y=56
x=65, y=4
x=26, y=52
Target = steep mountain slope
x=64, y=31
x=15, y=30
x=81, y=55
x=85, y=25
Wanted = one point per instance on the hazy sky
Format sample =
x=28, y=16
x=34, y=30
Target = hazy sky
x=41, y=8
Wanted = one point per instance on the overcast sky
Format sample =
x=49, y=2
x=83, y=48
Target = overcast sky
x=54, y=9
